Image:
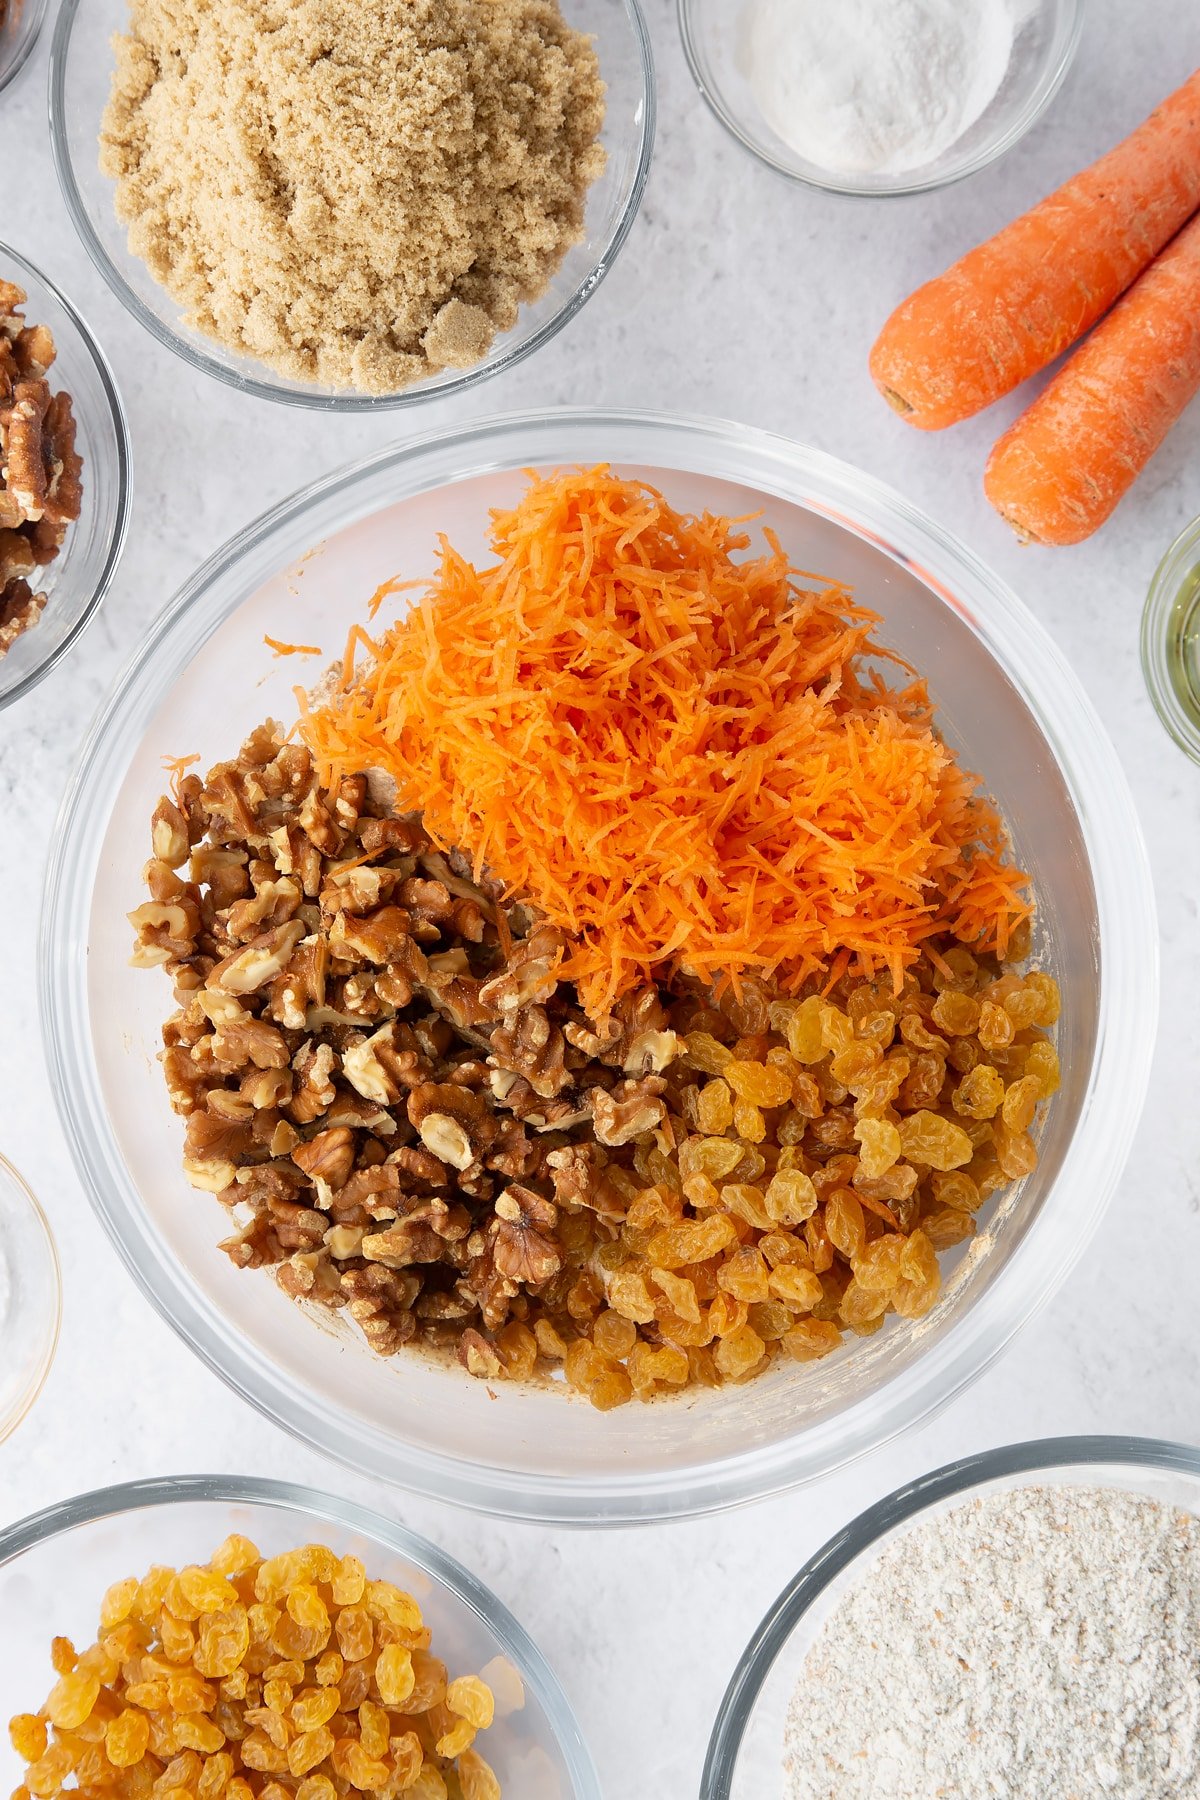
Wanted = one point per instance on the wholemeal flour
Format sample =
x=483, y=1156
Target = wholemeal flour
x=356, y=195
x=1042, y=1643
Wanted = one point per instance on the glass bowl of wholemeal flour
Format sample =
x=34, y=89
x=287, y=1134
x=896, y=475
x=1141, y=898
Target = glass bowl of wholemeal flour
x=350, y=242
x=879, y=97
x=1024, y=1621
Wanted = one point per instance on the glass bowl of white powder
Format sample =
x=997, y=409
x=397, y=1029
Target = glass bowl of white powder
x=30, y=1298
x=876, y=97
x=1024, y=1621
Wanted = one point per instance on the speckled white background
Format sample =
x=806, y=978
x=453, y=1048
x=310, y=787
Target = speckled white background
x=737, y=294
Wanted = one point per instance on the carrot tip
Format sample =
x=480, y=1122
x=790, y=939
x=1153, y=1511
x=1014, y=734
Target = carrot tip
x=896, y=401
x=1021, y=532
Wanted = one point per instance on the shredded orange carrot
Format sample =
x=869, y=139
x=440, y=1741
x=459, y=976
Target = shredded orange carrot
x=176, y=768
x=394, y=586
x=282, y=649
x=684, y=760
x=357, y=636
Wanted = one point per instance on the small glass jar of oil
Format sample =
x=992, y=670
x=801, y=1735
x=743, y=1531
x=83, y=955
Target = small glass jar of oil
x=1171, y=640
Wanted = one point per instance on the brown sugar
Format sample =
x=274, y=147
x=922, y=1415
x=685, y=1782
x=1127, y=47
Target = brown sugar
x=356, y=195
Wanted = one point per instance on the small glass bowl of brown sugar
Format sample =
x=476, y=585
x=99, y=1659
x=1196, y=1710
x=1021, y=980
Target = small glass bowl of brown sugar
x=30, y=1298
x=403, y=258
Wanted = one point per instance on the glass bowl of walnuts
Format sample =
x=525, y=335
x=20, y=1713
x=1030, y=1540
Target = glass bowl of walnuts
x=64, y=502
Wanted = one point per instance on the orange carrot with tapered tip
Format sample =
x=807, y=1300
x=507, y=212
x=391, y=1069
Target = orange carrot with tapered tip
x=1014, y=303
x=1057, y=474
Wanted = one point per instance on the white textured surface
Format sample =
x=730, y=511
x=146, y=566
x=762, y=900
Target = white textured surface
x=740, y=295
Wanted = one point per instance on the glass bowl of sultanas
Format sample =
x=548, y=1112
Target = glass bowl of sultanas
x=1032, y=1078
x=213, y=1633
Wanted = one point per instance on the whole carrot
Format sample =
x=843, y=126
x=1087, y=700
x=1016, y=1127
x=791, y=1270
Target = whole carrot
x=1058, y=472
x=1014, y=303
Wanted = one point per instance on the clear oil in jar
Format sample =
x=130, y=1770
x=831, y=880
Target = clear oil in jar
x=1183, y=645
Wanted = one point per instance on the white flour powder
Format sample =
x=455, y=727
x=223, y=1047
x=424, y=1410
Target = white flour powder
x=1042, y=1643
x=875, y=86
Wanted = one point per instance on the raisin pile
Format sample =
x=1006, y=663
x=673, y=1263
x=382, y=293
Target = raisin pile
x=290, y=1678
x=824, y=1150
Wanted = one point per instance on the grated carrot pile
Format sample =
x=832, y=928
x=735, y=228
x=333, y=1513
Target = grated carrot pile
x=680, y=758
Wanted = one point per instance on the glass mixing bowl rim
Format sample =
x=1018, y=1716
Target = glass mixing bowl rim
x=1156, y=621
x=1035, y=105
x=1127, y=930
x=317, y=1503
x=263, y=388
x=123, y=475
x=39, y=1375
x=28, y=44
x=1035, y=1456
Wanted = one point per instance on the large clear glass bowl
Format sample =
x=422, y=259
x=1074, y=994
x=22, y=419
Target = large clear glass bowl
x=1046, y=36
x=55, y=1566
x=1008, y=701
x=745, y=1752
x=80, y=575
x=81, y=63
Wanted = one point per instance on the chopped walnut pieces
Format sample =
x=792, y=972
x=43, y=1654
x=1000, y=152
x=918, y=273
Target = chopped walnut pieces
x=524, y=1248
x=41, y=491
x=634, y=1038
x=20, y=607
x=631, y=1109
x=328, y=1157
x=478, y=1356
x=444, y=1137
x=410, y=1118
